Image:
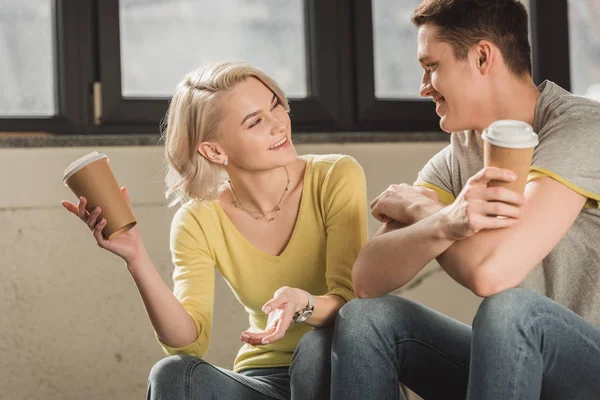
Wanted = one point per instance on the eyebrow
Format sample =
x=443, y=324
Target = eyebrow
x=252, y=114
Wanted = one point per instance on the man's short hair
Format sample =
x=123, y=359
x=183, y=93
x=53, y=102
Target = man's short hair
x=463, y=23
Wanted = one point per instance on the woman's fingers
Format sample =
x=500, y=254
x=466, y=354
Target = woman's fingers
x=72, y=208
x=82, y=212
x=281, y=327
x=91, y=222
x=97, y=231
x=126, y=195
x=255, y=338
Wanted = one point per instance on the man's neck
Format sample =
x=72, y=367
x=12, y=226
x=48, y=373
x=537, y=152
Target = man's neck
x=512, y=99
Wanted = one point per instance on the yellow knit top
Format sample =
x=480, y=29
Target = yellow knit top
x=330, y=230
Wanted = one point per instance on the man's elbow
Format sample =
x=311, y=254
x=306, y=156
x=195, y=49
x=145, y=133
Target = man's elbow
x=363, y=288
x=486, y=281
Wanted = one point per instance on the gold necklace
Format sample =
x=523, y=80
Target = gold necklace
x=263, y=214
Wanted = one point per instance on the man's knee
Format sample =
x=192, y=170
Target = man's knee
x=507, y=308
x=360, y=317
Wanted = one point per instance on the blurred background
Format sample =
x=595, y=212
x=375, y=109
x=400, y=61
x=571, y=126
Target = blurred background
x=84, y=75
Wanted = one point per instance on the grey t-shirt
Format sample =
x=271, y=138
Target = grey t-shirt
x=569, y=151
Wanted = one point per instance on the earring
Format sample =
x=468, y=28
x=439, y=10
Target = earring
x=225, y=163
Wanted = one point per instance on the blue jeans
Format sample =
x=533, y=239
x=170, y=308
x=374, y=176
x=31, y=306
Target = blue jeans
x=522, y=346
x=188, y=377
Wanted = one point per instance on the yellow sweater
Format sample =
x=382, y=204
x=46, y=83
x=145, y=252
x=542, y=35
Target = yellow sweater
x=330, y=231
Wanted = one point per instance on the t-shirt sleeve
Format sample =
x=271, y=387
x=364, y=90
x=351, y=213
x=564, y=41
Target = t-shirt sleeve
x=345, y=212
x=569, y=153
x=193, y=279
x=437, y=175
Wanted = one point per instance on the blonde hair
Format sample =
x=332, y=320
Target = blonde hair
x=193, y=117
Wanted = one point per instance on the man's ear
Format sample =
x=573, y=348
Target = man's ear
x=212, y=152
x=485, y=55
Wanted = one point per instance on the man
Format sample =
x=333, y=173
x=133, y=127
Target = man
x=537, y=333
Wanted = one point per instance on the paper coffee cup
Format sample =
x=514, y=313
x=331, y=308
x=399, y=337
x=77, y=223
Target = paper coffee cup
x=509, y=144
x=91, y=177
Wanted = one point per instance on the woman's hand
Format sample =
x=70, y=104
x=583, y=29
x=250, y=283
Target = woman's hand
x=404, y=203
x=281, y=309
x=128, y=246
x=477, y=206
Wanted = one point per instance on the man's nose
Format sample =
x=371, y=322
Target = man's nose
x=426, y=88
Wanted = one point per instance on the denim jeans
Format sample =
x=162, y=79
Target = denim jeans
x=522, y=346
x=188, y=377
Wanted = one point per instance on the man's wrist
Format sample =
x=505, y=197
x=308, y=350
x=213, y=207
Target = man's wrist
x=422, y=211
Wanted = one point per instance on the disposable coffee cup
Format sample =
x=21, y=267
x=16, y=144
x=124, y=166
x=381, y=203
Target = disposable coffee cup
x=509, y=144
x=91, y=177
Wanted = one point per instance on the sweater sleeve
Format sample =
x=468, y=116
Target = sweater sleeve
x=345, y=210
x=193, y=279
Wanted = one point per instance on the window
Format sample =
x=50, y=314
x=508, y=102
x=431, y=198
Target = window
x=27, y=70
x=192, y=33
x=584, y=47
x=397, y=72
x=110, y=66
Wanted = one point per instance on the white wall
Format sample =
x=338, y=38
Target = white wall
x=72, y=325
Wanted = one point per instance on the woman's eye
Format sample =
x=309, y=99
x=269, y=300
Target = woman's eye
x=255, y=123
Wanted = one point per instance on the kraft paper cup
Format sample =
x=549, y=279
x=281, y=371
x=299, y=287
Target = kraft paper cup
x=509, y=144
x=91, y=177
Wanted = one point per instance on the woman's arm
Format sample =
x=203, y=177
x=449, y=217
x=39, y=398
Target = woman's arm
x=172, y=324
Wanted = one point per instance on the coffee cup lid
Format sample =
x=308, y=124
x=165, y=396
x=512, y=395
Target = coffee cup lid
x=80, y=163
x=511, y=134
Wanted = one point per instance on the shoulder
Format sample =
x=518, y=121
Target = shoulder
x=326, y=168
x=192, y=216
x=560, y=110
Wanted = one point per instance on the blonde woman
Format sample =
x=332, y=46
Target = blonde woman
x=284, y=231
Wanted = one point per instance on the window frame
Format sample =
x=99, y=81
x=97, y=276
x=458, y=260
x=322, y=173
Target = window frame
x=318, y=111
x=340, y=71
x=69, y=36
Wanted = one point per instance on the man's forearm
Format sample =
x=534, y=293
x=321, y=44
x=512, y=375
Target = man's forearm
x=394, y=258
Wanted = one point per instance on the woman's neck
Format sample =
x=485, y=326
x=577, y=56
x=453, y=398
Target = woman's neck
x=260, y=191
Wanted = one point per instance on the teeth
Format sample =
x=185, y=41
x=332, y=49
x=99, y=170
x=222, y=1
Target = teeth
x=282, y=141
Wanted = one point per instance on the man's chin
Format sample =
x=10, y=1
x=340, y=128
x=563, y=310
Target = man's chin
x=449, y=126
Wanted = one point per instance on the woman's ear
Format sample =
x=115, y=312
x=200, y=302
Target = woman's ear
x=212, y=152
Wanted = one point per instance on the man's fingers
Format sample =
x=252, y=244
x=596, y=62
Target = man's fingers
x=498, y=193
x=375, y=200
x=493, y=208
x=493, y=174
x=499, y=222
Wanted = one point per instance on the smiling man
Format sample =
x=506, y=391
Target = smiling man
x=537, y=332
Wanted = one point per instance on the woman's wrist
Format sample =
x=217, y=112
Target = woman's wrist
x=301, y=300
x=138, y=262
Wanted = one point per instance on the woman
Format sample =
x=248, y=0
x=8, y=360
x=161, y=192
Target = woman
x=283, y=230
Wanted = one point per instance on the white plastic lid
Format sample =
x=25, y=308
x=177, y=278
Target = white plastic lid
x=80, y=163
x=511, y=134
